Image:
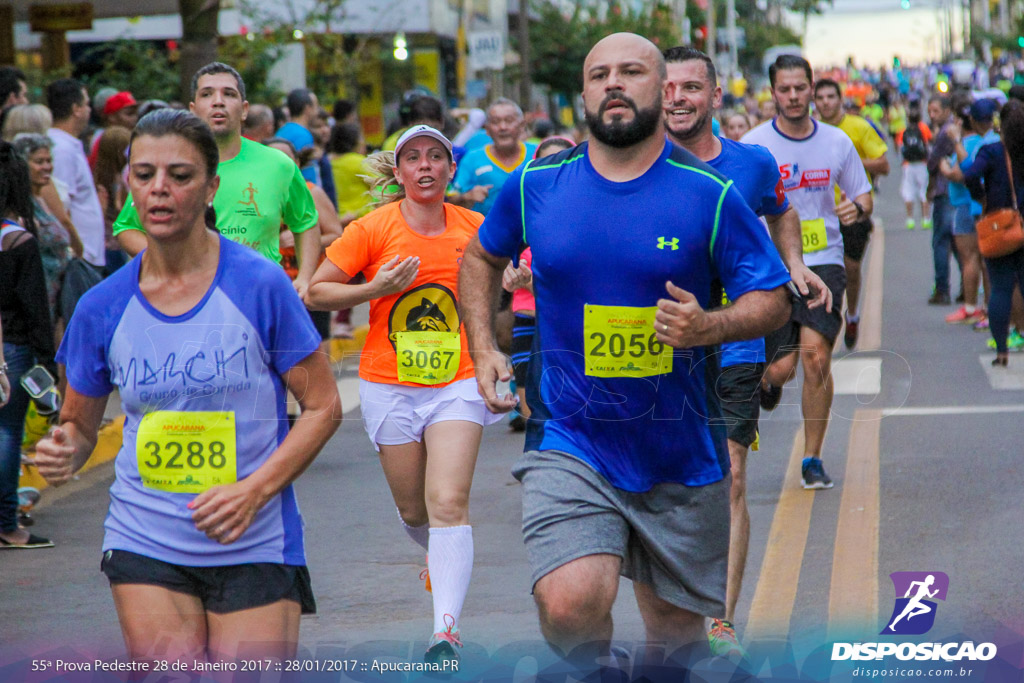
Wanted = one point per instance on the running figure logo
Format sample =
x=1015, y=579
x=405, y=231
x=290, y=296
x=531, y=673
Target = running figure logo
x=672, y=244
x=914, y=613
x=251, y=192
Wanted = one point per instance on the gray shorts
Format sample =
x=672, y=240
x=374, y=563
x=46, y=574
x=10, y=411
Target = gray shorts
x=674, y=538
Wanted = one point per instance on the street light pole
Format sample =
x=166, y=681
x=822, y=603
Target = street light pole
x=730, y=20
x=712, y=41
x=525, y=77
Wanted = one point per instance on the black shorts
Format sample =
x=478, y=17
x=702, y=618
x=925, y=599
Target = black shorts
x=855, y=238
x=739, y=389
x=221, y=589
x=787, y=338
x=322, y=323
x=523, y=329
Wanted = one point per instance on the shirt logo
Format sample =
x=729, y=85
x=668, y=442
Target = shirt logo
x=672, y=244
x=795, y=179
x=914, y=612
x=255, y=210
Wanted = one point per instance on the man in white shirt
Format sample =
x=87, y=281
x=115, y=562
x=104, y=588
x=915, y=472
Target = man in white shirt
x=69, y=103
x=814, y=158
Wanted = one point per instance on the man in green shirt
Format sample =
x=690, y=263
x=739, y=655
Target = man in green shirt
x=260, y=188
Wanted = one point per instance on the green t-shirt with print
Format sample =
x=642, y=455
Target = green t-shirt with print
x=260, y=188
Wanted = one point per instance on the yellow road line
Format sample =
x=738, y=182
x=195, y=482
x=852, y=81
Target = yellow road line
x=775, y=595
x=871, y=306
x=853, y=595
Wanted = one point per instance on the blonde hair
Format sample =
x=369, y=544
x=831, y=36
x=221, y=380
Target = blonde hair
x=26, y=118
x=384, y=187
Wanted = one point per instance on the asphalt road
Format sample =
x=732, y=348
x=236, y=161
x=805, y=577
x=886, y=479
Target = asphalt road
x=924, y=450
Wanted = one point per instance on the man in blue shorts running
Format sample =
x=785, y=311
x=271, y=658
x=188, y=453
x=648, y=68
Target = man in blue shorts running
x=626, y=466
x=693, y=92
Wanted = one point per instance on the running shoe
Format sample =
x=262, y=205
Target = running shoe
x=911, y=224
x=32, y=542
x=981, y=325
x=939, y=299
x=850, y=335
x=443, y=643
x=425, y=576
x=723, y=641
x=926, y=223
x=770, y=396
x=961, y=317
x=1014, y=342
x=814, y=476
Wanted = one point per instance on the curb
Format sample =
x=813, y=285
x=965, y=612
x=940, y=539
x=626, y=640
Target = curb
x=109, y=441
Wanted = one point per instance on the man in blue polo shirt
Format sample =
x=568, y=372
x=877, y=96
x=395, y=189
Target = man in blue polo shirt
x=483, y=171
x=626, y=469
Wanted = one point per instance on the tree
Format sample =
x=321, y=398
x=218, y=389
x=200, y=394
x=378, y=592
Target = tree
x=560, y=40
x=336, y=59
x=133, y=65
x=807, y=8
x=198, y=40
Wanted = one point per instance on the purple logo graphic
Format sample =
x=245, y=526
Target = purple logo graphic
x=914, y=611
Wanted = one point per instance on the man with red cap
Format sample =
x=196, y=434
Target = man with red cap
x=120, y=109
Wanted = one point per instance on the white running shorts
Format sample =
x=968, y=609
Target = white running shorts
x=914, y=186
x=395, y=414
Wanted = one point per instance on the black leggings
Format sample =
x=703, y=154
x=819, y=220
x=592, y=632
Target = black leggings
x=1004, y=273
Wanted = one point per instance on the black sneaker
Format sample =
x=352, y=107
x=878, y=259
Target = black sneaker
x=32, y=542
x=814, y=476
x=770, y=396
x=939, y=299
x=850, y=335
x=517, y=423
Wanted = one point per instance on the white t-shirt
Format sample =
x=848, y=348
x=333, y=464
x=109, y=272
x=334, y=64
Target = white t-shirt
x=810, y=170
x=71, y=167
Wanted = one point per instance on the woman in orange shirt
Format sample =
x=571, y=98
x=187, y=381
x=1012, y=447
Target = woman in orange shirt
x=419, y=398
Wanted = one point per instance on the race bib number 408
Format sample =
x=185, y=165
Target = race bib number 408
x=619, y=341
x=814, y=235
x=186, y=451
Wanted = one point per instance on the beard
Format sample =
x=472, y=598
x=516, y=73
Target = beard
x=692, y=131
x=804, y=113
x=619, y=134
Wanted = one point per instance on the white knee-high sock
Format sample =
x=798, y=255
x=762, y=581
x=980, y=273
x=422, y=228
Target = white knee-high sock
x=450, y=561
x=417, y=533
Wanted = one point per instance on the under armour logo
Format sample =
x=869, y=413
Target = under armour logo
x=672, y=244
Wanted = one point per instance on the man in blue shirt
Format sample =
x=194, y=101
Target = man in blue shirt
x=626, y=467
x=483, y=171
x=692, y=94
x=303, y=108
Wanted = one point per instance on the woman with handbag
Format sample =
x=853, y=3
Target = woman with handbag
x=28, y=332
x=993, y=179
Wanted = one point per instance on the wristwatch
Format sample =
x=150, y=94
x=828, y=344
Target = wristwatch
x=860, y=209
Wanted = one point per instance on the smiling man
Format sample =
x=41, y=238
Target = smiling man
x=626, y=470
x=814, y=159
x=692, y=93
x=260, y=187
